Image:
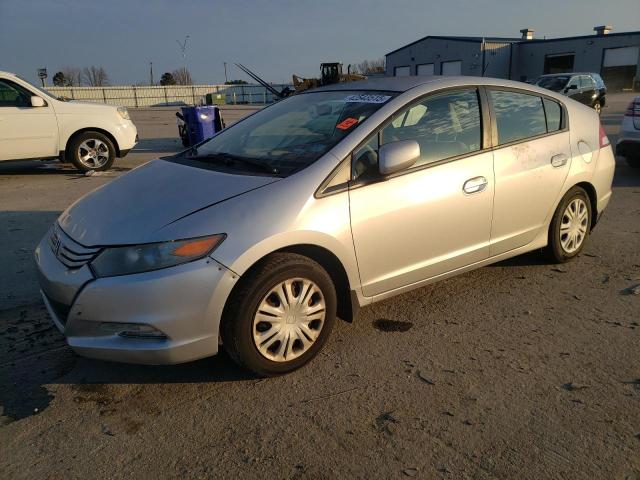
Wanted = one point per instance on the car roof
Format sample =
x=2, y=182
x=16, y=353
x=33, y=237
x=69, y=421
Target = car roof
x=403, y=84
x=8, y=74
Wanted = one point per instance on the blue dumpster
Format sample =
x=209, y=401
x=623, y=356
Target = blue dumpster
x=200, y=123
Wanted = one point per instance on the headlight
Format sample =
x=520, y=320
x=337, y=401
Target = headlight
x=153, y=256
x=124, y=113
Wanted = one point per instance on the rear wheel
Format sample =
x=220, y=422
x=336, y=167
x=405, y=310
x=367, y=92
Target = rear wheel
x=280, y=315
x=570, y=226
x=91, y=151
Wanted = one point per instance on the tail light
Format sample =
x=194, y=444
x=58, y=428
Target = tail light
x=633, y=110
x=604, y=140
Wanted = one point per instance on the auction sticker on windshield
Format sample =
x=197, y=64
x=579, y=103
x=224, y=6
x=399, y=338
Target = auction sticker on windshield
x=346, y=124
x=367, y=98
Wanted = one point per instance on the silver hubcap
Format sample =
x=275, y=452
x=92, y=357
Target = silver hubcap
x=573, y=228
x=93, y=153
x=597, y=107
x=289, y=319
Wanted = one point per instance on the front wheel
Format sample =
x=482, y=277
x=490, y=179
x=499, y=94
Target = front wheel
x=570, y=226
x=280, y=315
x=92, y=151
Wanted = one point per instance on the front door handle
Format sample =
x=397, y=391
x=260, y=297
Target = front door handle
x=559, y=160
x=474, y=185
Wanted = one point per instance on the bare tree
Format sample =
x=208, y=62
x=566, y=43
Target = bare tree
x=182, y=76
x=72, y=76
x=368, y=67
x=95, y=76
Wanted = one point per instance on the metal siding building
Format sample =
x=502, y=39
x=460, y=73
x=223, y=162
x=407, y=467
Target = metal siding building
x=616, y=56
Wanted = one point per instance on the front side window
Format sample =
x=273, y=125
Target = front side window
x=518, y=115
x=289, y=135
x=13, y=95
x=587, y=82
x=575, y=81
x=444, y=125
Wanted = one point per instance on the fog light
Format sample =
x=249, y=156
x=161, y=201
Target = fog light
x=133, y=330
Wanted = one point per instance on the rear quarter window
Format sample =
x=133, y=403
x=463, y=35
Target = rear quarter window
x=553, y=112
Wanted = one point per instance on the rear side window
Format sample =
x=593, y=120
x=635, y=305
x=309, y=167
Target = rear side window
x=518, y=115
x=553, y=112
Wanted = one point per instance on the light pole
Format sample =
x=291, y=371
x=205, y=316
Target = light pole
x=151, y=73
x=226, y=80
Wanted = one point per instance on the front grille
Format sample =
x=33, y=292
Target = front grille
x=69, y=252
x=60, y=309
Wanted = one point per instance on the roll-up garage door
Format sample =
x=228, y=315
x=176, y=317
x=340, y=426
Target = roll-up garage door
x=619, y=67
x=452, y=68
x=402, y=71
x=425, y=69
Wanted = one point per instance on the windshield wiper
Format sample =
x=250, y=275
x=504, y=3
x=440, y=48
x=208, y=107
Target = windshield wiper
x=228, y=158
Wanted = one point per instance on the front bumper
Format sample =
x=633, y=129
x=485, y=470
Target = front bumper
x=126, y=134
x=183, y=302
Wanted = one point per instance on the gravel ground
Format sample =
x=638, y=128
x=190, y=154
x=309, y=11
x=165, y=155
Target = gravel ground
x=518, y=370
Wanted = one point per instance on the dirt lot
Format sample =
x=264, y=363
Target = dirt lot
x=519, y=370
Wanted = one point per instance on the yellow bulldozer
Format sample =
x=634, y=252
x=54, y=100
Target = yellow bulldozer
x=330, y=73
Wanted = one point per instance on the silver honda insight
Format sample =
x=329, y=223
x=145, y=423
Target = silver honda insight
x=315, y=206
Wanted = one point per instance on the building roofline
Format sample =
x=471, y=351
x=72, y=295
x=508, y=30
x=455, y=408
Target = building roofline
x=577, y=37
x=511, y=40
x=459, y=39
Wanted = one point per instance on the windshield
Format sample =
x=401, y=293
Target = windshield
x=552, y=83
x=293, y=133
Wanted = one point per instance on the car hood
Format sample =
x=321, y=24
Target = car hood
x=80, y=107
x=131, y=208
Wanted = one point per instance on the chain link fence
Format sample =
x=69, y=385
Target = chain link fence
x=173, y=95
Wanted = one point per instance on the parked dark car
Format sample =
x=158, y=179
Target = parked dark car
x=587, y=88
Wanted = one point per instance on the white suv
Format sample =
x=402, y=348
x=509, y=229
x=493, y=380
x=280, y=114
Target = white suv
x=34, y=124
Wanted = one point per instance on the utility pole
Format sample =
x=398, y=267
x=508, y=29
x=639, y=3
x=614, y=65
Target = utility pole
x=183, y=49
x=226, y=80
x=151, y=73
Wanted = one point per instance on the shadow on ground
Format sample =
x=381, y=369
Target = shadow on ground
x=159, y=145
x=35, y=356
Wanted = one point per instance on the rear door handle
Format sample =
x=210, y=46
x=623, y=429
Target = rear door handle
x=474, y=185
x=559, y=160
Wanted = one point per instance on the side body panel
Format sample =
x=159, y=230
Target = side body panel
x=421, y=224
x=527, y=186
x=28, y=132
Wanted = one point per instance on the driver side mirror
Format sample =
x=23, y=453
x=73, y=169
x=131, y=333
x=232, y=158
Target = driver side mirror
x=37, y=101
x=571, y=87
x=397, y=156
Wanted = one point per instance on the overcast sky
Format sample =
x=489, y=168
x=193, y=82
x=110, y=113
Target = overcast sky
x=275, y=38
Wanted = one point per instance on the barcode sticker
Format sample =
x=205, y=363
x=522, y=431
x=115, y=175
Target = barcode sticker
x=367, y=98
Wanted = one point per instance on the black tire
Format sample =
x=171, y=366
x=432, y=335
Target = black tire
x=237, y=320
x=91, y=137
x=633, y=162
x=555, y=249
